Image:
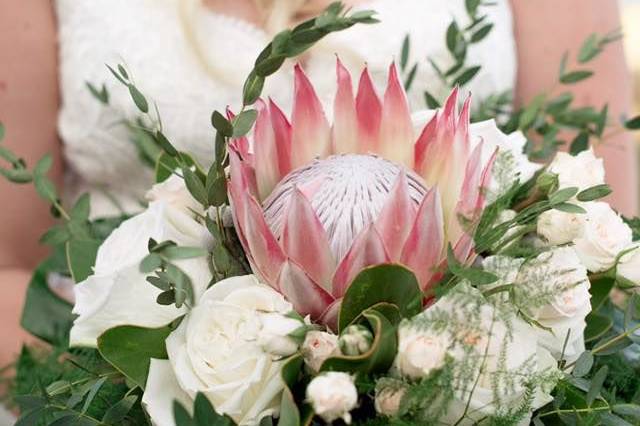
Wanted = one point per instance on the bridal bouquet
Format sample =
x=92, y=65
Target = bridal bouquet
x=385, y=267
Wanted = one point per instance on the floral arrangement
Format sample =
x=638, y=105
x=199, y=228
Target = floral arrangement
x=388, y=267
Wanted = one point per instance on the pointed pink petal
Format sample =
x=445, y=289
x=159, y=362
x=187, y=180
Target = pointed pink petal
x=282, y=133
x=451, y=103
x=345, y=123
x=396, y=218
x=463, y=248
x=305, y=241
x=262, y=245
x=265, y=152
x=426, y=138
x=476, y=179
x=369, y=112
x=307, y=297
x=424, y=247
x=310, y=130
x=367, y=249
x=330, y=315
x=396, y=129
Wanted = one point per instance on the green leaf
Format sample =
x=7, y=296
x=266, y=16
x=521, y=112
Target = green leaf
x=17, y=175
x=252, y=89
x=221, y=124
x=590, y=49
x=431, y=101
x=123, y=71
x=150, y=263
x=480, y=34
x=563, y=195
x=2, y=131
x=92, y=393
x=404, y=52
x=243, y=122
x=195, y=186
x=55, y=235
x=101, y=94
x=472, y=6
x=381, y=354
x=608, y=419
x=44, y=314
x=205, y=415
x=138, y=99
x=216, y=187
x=183, y=252
x=290, y=413
x=410, y=77
x=166, y=165
x=117, y=75
x=633, y=123
x=82, y=208
x=181, y=415
x=474, y=275
x=452, y=36
x=559, y=103
x=45, y=188
x=466, y=75
x=530, y=112
x=81, y=257
x=272, y=64
x=164, y=143
x=594, y=193
x=597, y=326
x=129, y=349
x=584, y=363
x=575, y=76
x=580, y=143
x=389, y=283
x=117, y=412
x=600, y=289
x=596, y=384
x=569, y=208
x=630, y=410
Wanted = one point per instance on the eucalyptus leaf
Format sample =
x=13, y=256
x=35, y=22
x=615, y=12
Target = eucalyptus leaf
x=594, y=193
x=563, y=195
x=633, y=123
x=569, y=208
x=575, y=76
x=579, y=143
x=138, y=98
x=583, y=365
x=596, y=384
x=221, y=124
x=243, y=122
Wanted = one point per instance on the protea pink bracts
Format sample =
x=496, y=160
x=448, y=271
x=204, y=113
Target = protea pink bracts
x=314, y=204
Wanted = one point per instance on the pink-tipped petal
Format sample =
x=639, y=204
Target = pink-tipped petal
x=451, y=103
x=345, y=123
x=310, y=130
x=369, y=112
x=477, y=177
x=396, y=129
x=304, y=240
x=263, y=246
x=282, y=133
x=463, y=249
x=307, y=297
x=330, y=315
x=265, y=153
x=367, y=249
x=426, y=138
x=424, y=247
x=396, y=218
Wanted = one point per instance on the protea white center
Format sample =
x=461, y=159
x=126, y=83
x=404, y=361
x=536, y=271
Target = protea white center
x=347, y=192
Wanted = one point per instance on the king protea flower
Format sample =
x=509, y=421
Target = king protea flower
x=316, y=203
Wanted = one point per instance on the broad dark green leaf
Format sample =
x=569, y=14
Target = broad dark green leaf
x=129, y=349
x=381, y=354
x=181, y=415
x=579, y=143
x=221, y=124
x=600, y=289
x=597, y=326
x=466, y=75
x=389, y=283
x=633, y=123
x=293, y=413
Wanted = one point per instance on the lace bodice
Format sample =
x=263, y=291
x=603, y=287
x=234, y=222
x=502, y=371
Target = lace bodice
x=149, y=37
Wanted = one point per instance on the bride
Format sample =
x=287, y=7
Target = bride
x=191, y=56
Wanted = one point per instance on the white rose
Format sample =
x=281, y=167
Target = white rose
x=558, y=227
x=419, y=353
x=333, y=395
x=118, y=293
x=216, y=351
x=604, y=235
x=388, y=399
x=582, y=171
x=274, y=337
x=174, y=192
x=566, y=313
x=317, y=347
x=629, y=264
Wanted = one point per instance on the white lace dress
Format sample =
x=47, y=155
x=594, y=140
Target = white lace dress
x=149, y=37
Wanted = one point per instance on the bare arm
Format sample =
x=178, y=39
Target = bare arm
x=544, y=30
x=28, y=106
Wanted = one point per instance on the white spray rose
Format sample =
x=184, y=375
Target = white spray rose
x=317, y=347
x=419, y=353
x=604, y=235
x=388, y=399
x=333, y=395
x=629, y=265
x=216, y=351
x=118, y=293
x=558, y=227
x=581, y=171
x=274, y=337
